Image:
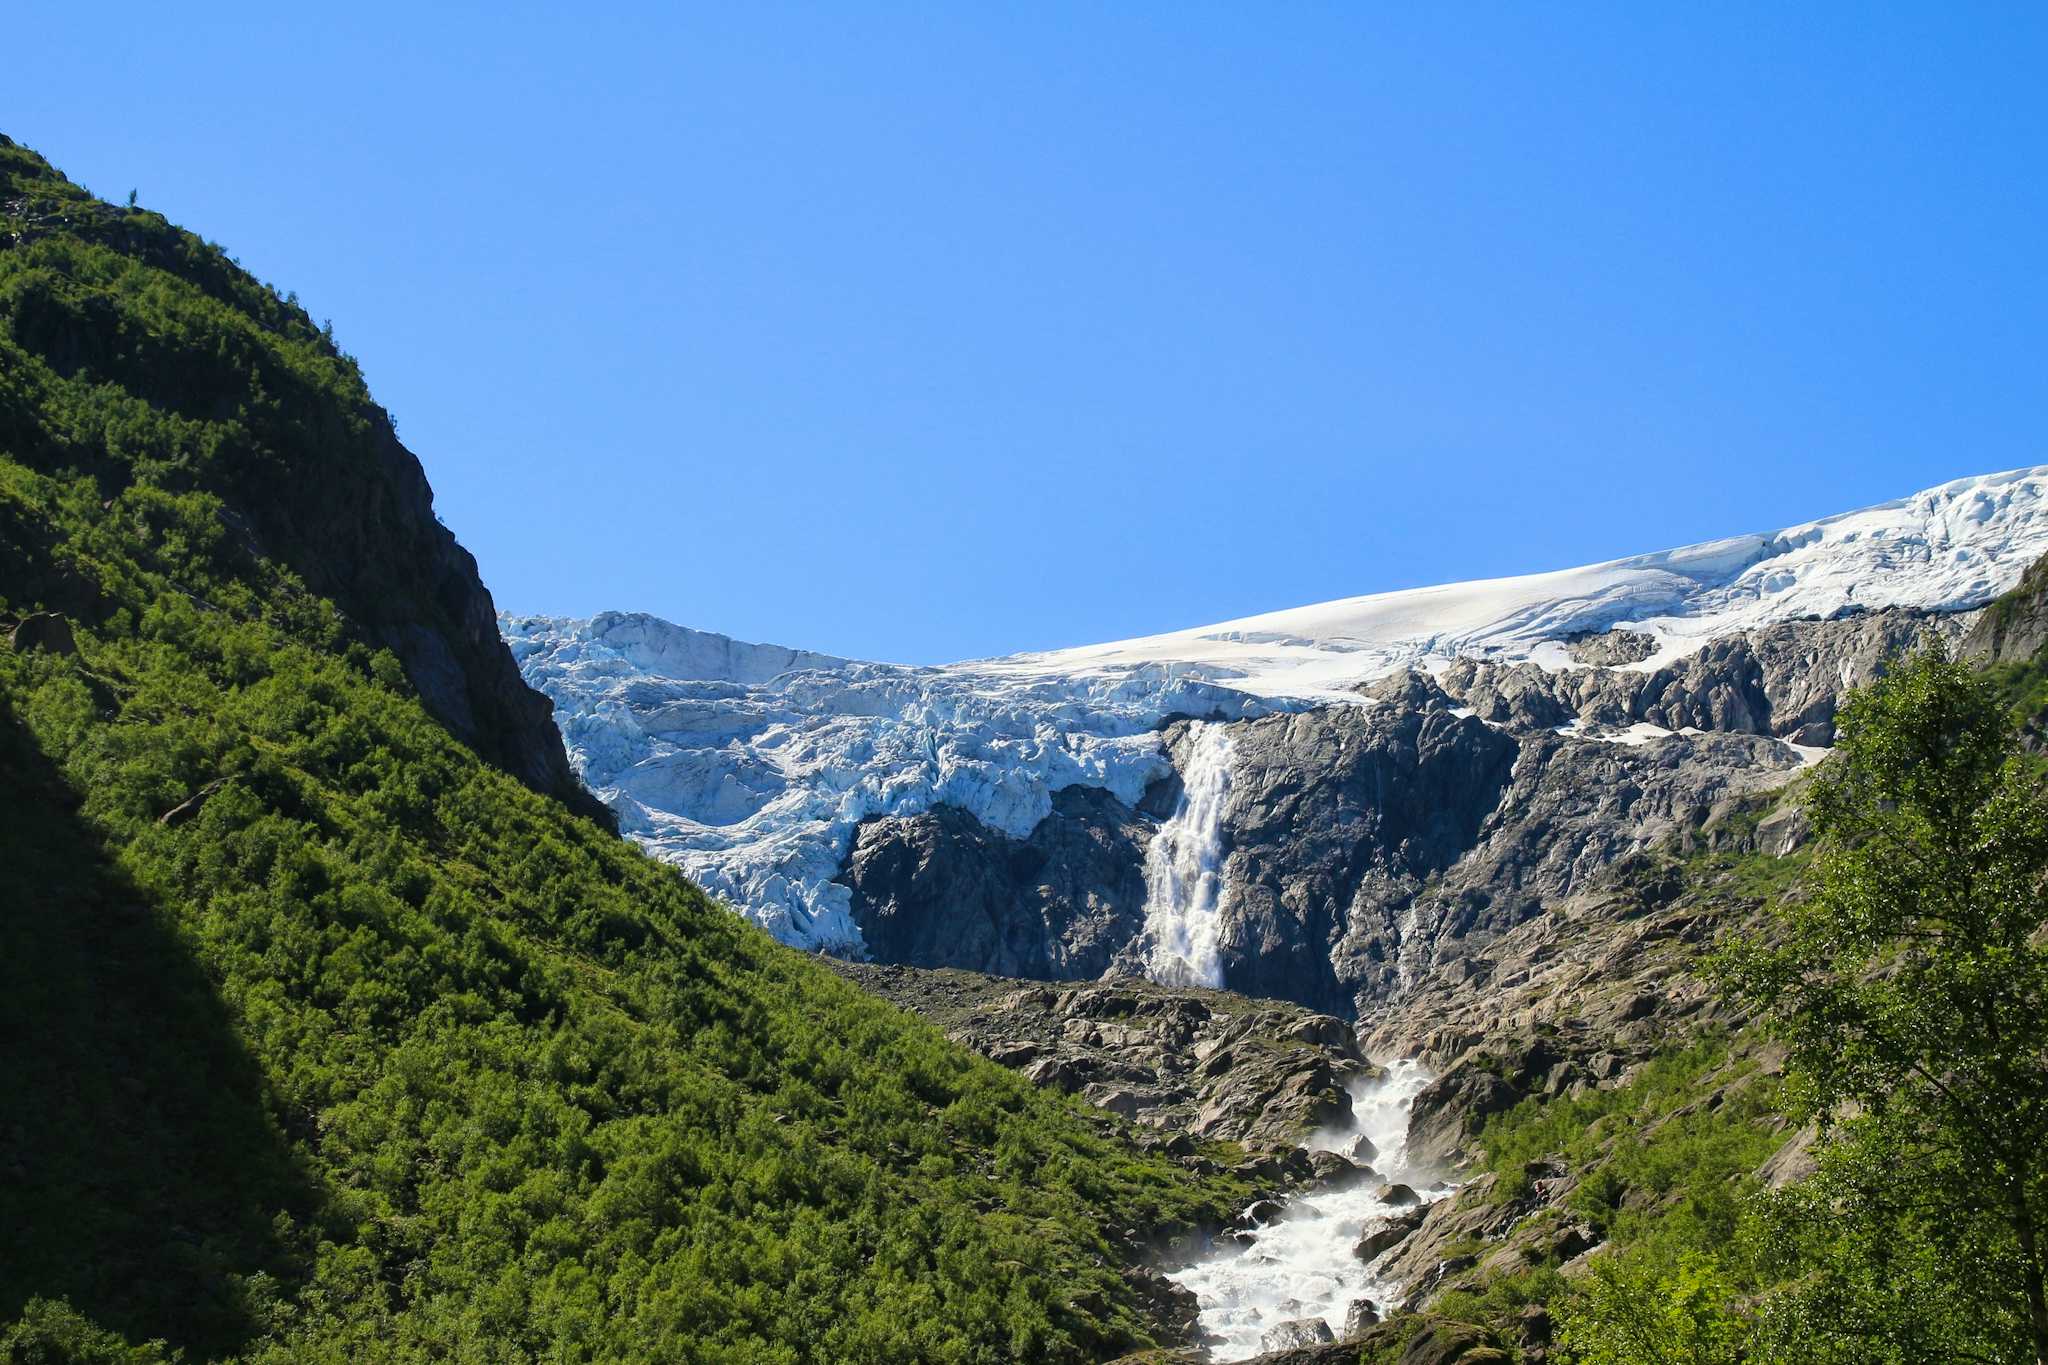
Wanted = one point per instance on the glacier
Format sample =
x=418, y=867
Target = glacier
x=751, y=765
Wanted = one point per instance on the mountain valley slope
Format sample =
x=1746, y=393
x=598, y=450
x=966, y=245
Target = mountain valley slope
x=335, y=1027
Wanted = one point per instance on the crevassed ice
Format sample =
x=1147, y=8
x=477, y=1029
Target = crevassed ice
x=751, y=765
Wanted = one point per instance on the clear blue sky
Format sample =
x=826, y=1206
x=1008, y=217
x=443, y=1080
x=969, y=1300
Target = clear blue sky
x=934, y=331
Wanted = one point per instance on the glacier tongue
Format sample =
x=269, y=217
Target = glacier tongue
x=751, y=765
x=753, y=780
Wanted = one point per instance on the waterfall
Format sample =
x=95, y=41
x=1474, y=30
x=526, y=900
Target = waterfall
x=1184, y=870
x=1301, y=1264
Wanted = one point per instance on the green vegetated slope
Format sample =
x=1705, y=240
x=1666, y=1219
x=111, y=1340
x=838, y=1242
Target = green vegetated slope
x=1725, y=1231
x=325, y=1040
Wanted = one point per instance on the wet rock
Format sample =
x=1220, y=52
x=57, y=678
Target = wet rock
x=1335, y=1171
x=1260, y=1213
x=1399, y=1196
x=1174, y=1310
x=1785, y=830
x=941, y=889
x=1388, y=1234
x=1358, y=1317
x=1297, y=1332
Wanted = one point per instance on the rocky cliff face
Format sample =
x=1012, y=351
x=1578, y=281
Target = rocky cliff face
x=941, y=889
x=274, y=421
x=1337, y=820
x=364, y=534
x=2014, y=629
x=1371, y=848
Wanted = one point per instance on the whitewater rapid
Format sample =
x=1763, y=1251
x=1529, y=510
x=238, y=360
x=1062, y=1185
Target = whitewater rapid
x=1184, y=885
x=1301, y=1265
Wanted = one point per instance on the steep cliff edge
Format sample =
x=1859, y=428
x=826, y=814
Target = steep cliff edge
x=270, y=417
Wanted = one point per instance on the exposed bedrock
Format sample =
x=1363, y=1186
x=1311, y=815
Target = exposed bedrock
x=1783, y=680
x=941, y=889
x=1176, y=1059
x=2014, y=629
x=1336, y=818
x=1366, y=848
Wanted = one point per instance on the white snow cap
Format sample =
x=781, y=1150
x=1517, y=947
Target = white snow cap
x=1949, y=548
x=752, y=765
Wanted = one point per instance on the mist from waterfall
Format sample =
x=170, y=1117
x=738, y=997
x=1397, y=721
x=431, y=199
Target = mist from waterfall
x=1184, y=886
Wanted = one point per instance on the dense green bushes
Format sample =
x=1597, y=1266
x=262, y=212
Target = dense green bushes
x=1906, y=989
x=327, y=1041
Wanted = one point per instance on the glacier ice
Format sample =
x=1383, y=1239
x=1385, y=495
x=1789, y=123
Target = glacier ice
x=750, y=765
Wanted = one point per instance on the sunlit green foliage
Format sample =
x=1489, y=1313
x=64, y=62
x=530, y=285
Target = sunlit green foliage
x=326, y=1041
x=1909, y=985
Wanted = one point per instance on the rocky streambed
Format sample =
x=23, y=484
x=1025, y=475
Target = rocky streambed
x=1304, y=1270
x=1317, y=1258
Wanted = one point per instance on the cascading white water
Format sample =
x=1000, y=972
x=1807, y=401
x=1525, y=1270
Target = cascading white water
x=1301, y=1265
x=1184, y=870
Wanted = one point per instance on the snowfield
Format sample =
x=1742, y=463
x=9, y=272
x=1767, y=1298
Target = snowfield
x=751, y=765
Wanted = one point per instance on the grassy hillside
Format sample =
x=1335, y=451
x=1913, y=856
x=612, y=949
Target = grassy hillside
x=326, y=1040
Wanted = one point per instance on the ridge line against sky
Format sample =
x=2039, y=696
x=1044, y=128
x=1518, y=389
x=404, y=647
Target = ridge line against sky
x=1079, y=652
x=938, y=336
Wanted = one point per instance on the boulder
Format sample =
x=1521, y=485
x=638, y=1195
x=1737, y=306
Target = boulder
x=1261, y=1212
x=1335, y=1171
x=1388, y=1234
x=1359, y=1316
x=1400, y=1196
x=1297, y=1332
x=1452, y=1343
x=1452, y=1108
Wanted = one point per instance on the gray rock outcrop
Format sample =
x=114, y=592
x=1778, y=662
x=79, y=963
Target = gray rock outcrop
x=1187, y=1063
x=941, y=889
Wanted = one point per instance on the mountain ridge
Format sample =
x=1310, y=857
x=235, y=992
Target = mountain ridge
x=759, y=783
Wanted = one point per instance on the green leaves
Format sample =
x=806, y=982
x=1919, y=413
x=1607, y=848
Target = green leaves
x=504, y=1088
x=1911, y=985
